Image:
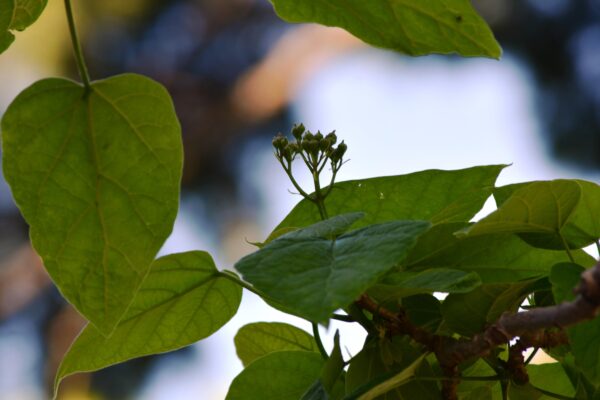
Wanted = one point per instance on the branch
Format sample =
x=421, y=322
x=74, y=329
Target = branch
x=538, y=327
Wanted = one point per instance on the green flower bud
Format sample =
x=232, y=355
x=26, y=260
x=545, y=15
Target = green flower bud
x=308, y=136
x=297, y=131
x=294, y=148
x=279, y=142
x=319, y=136
x=332, y=137
x=324, y=144
x=338, y=153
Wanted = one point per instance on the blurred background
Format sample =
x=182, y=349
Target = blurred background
x=238, y=75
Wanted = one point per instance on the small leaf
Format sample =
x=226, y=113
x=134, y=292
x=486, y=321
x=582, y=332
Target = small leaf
x=97, y=178
x=409, y=26
x=183, y=299
x=433, y=195
x=333, y=367
x=17, y=15
x=261, y=338
x=283, y=375
x=314, y=276
x=468, y=314
x=399, y=284
x=495, y=258
x=546, y=214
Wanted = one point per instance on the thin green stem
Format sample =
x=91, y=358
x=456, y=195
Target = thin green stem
x=83, y=71
x=233, y=278
x=317, y=335
x=553, y=395
x=567, y=249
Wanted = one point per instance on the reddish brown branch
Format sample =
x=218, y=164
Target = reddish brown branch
x=538, y=327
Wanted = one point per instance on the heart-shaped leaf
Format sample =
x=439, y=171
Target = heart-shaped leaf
x=261, y=338
x=96, y=175
x=183, y=299
x=314, y=276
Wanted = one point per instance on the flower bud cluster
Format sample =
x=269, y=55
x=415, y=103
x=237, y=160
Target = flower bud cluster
x=314, y=148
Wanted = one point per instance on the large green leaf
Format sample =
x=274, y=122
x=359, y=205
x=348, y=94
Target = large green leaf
x=434, y=195
x=468, y=314
x=17, y=15
x=283, y=375
x=495, y=258
x=261, y=338
x=547, y=214
x=315, y=276
x=97, y=177
x=410, y=26
x=183, y=299
x=399, y=284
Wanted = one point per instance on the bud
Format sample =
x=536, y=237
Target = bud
x=308, y=136
x=279, y=142
x=294, y=148
x=332, y=137
x=324, y=145
x=319, y=136
x=297, y=131
x=338, y=153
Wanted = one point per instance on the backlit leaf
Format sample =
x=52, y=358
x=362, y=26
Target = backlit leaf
x=315, y=276
x=97, y=178
x=261, y=338
x=410, y=26
x=183, y=299
x=546, y=214
x=283, y=375
x=17, y=15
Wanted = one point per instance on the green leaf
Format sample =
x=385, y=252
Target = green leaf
x=551, y=377
x=585, y=346
x=564, y=278
x=261, y=338
x=314, y=276
x=333, y=367
x=409, y=26
x=433, y=195
x=423, y=310
x=97, y=178
x=183, y=299
x=399, y=284
x=283, y=375
x=468, y=314
x=495, y=258
x=479, y=390
x=17, y=15
x=546, y=214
